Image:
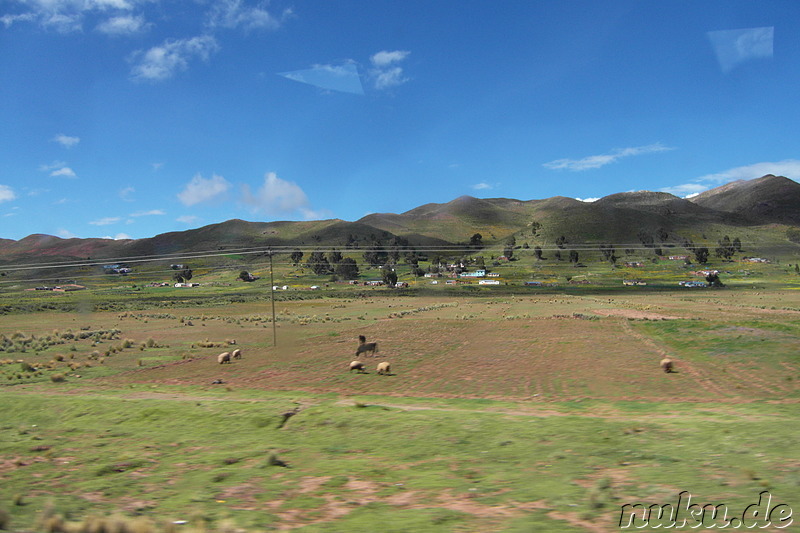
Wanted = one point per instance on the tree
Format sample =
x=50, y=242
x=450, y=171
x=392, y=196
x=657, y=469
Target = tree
x=725, y=249
x=297, y=256
x=701, y=255
x=508, y=251
x=476, y=241
x=535, y=227
x=561, y=241
x=318, y=263
x=244, y=275
x=375, y=254
x=388, y=275
x=537, y=253
x=713, y=280
x=182, y=275
x=573, y=257
x=737, y=244
x=557, y=255
x=347, y=268
x=334, y=256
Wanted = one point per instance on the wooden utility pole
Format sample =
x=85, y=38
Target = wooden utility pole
x=272, y=297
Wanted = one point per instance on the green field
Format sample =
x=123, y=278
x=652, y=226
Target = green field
x=508, y=408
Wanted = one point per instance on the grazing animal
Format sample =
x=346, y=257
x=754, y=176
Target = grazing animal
x=357, y=365
x=224, y=357
x=384, y=368
x=364, y=346
x=236, y=354
x=667, y=365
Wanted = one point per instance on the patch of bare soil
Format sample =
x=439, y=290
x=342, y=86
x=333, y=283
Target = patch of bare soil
x=634, y=313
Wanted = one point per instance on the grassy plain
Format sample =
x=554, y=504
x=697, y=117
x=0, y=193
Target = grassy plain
x=507, y=410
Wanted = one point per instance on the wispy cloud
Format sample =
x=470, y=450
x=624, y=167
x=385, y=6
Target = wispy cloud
x=588, y=200
x=65, y=172
x=482, y=186
x=66, y=141
x=118, y=237
x=188, y=219
x=789, y=168
x=162, y=62
x=277, y=197
x=201, y=190
x=342, y=78
x=105, y=221
x=123, y=25
x=152, y=212
x=237, y=14
x=733, y=47
x=63, y=16
x=127, y=193
x=58, y=169
x=65, y=234
x=6, y=193
x=386, y=71
x=597, y=161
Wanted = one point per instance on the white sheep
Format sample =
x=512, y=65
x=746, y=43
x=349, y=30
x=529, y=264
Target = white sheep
x=224, y=357
x=357, y=365
x=667, y=365
x=384, y=368
x=236, y=354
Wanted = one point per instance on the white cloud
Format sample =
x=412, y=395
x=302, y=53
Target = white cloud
x=58, y=168
x=309, y=214
x=201, y=190
x=66, y=141
x=126, y=193
x=161, y=62
x=342, y=78
x=386, y=72
x=588, y=200
x=384, y=58
x=152, y=212
x=65, y=234
x=597, y=161
x=236, y=14
x=63, y=16
x=733, y=47
x=789, y=168
x=66, y=172
x=277, y=196
x=105, y=221
x=188, y=219
x=6, y=193
x=685, y=189
x=118, y=237
x=123, y=25
x=482, y=186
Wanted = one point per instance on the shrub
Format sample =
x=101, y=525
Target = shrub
x=26, y=367
x=58, y=378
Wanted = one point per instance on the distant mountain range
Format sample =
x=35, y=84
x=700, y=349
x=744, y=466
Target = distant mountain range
x=755, y=208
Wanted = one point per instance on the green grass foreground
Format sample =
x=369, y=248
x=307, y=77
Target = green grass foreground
x=428, y=465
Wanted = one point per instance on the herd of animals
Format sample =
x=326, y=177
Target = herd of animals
x=384, y=368
x=364, y=347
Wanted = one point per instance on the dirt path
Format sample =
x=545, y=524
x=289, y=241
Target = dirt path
x=702, y=381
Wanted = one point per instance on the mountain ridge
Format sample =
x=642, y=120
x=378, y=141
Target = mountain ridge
x=618, y=217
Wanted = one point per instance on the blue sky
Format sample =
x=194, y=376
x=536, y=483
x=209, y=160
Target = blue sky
x=129, y=118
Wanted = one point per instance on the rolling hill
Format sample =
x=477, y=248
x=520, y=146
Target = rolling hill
x=757, y=209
